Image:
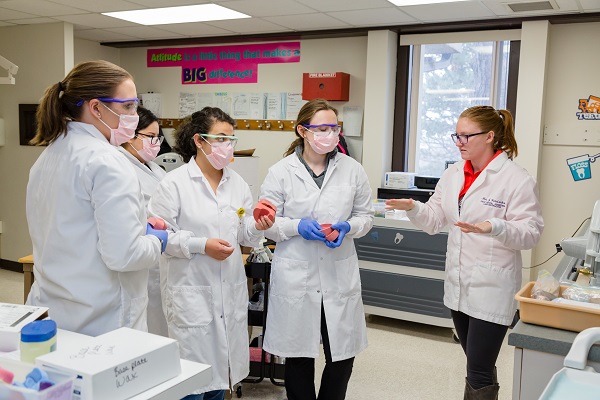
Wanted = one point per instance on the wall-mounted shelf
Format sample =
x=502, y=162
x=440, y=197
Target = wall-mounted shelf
x=243, y=124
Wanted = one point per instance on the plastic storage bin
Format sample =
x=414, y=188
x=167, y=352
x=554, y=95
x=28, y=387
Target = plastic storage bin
x=555, y=315
x=62, y=390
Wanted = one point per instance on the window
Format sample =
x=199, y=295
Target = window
x=443, y=79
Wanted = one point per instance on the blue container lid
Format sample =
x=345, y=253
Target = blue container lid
x=38, y=331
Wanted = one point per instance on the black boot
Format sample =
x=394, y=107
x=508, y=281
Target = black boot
x=489, y=392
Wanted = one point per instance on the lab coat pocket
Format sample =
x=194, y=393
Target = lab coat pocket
x=191, y=306
x=348, y=277
x=288, y=278
x=240, y=296
x=491, y=290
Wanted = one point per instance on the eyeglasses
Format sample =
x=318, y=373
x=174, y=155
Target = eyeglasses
x=220, y=139
x=464, y=139
x=153, y=139
x=323, y=129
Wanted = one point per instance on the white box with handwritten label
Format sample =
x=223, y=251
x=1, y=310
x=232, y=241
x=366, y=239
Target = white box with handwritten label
x=117, y=365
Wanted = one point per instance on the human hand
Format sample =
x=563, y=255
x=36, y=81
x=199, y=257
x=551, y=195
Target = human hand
x=263, y=223
x=342, y=228
x=399, y=204
x=310, y=230
x=480, y=227
x=162, y=235
x=218, y=249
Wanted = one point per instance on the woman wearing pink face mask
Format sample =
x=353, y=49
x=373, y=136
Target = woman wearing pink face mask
x=315, y=284
x=85, y=210
x=208, y=208
x=141, y=150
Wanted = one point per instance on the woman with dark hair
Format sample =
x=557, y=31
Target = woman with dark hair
x=85, y=210
x=141, y=150
x=315, y=284
x=208, y=209
x=492, y=209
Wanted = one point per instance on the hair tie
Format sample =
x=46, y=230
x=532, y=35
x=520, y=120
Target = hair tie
x=500, y=114
x=61, y=88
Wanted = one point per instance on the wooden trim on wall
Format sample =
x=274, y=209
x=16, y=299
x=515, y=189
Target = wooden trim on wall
x=513, y=77
x=399, y=135
x=11, y=265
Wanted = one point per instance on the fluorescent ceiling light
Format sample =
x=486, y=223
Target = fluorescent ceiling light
x=401, y=3
x=178, y=15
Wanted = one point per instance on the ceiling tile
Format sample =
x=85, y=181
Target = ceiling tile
x=449, y=11
x=195, y=29
x=32, y=21
x=374, y=17
x=100, y=6
x=40, y=8
x=2, y=23
x=100, y=35
x=590, y=5
x=168, y=3
x=7, y=14
x=249, y=25
x=501, y=8
x=268, y=8
x=96, y=21
x=146, y=32
x=344, y=5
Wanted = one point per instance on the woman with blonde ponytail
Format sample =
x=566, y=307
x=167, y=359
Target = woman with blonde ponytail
x=493, y=212
x=85, y=210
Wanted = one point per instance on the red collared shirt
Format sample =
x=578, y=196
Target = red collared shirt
x=470, y=176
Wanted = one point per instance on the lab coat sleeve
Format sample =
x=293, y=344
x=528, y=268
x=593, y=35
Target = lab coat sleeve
x=165, y=204
x=248, y=235
x=523, y=226
x=115, y=195
x=430, y=216
x=363, y=213
x=284, y=228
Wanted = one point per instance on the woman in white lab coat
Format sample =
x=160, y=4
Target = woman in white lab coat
x=141, y=150
x=492, y=209
x=315, y=284
x=84, y=206
x=208, y=209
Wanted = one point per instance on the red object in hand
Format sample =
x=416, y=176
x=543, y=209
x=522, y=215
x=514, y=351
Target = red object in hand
x=330, y=234
x=157, y=223
x=264, y=207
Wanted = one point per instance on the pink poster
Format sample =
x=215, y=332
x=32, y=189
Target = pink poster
x=223, y=64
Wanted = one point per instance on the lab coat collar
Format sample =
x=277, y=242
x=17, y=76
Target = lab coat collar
x=148, y=168
x=87, y=128
x=301, y=172
x=196, y=173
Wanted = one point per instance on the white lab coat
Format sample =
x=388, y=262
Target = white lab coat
x=307, y=273
x=149, y=175
x=87, y=224
x=483, y=271
x=206, y=300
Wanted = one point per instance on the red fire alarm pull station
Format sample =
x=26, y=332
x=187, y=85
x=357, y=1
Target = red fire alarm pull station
x=333, y=86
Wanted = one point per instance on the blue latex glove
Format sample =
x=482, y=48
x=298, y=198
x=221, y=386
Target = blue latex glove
x=163, y=236
x=342, y=228
x=311, y=230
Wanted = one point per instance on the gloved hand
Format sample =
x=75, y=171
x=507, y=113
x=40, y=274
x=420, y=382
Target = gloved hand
x=342, y=228
x=163, y=236
x=310, y=230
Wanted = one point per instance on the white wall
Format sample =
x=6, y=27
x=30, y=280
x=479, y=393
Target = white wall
x=43, y=54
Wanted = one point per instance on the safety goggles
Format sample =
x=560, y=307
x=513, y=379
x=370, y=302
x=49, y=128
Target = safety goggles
x=220, y=140
x=130, y=105
x=323, y=129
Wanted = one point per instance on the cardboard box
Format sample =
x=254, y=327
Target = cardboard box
x=333, y=86
x=62, y=389
x=13, y=317
x=118, y=364
x=555, y=315
x=399, y=180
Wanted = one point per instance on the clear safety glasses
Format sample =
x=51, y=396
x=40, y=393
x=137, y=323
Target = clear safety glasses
x=220, y=140
x=323, y=129
x=129, y=105
x=153, y=139
x=464, y=139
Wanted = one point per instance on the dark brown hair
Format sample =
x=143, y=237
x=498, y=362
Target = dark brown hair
x=62, y=101
x=499, y=121
x=306, y=113
x=199, y=122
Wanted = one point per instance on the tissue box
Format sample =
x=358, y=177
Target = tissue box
x=117, y=365
x=399, y=180
x=13, y=317
x=62, y=390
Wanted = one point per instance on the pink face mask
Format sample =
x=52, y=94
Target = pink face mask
x=148, y=151
x=324, y=144
x=221, y=154
x=125, y=130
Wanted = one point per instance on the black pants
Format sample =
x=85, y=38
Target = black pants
x=300, y=374
x=481, y=342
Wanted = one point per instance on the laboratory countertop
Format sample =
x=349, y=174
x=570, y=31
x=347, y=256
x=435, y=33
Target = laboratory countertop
x=546, y=340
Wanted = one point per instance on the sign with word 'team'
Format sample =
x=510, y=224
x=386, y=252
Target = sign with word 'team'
x=223, y=64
